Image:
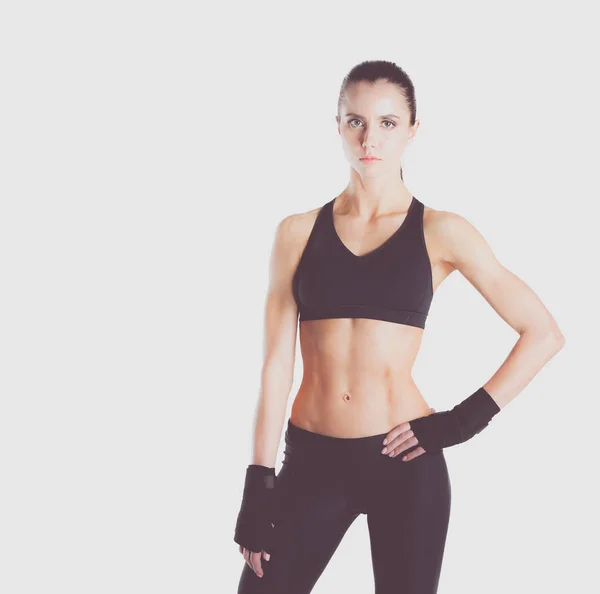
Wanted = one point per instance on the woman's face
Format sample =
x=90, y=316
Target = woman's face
x=374, y=120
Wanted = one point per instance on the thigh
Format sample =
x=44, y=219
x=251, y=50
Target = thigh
x=409, y=524
x=313, y=513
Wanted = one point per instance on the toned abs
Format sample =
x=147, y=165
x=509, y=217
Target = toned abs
x=357, y=373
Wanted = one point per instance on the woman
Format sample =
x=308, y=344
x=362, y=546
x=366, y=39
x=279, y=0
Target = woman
x=360, y=272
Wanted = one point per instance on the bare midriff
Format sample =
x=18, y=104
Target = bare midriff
x=357, y=378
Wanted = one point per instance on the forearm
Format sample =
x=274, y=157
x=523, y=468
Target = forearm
x=528, y=356
x=440, y=430
x=270, y=414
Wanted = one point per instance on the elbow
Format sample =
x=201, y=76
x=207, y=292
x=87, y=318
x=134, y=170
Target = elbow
x=559, y=339
x=556, y=339
x=557, y=336
x=552, y=338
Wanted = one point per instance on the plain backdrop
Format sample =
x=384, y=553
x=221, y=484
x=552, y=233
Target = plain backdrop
x=148, y=152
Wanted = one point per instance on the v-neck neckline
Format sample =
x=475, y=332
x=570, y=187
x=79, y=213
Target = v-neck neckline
x=381, y=245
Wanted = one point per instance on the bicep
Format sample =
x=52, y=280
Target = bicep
x=281, y=312
x=510, y=297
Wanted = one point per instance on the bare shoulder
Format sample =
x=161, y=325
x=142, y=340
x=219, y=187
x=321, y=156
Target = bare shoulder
x=294, y=229
x=300, y=224
x=440, y=222
x=291, y=236
x=449, y=233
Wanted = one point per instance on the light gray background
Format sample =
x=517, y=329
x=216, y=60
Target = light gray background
x=148, y=151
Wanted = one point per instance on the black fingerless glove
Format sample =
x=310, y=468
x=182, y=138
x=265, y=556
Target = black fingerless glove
x=253, y=526
x=443, y=429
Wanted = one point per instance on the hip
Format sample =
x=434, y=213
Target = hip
x=308, y=453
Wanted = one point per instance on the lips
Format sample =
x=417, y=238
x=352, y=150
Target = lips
x=369, y=159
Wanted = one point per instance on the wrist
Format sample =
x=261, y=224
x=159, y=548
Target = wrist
x=258, y=476
x=475, y=412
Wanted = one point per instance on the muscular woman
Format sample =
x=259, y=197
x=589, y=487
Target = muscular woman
x=357, y=276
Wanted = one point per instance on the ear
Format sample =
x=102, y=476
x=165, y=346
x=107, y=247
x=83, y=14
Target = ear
x=415, y=127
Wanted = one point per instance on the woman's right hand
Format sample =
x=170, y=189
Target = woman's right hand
x=254, y=560
x=254, y=527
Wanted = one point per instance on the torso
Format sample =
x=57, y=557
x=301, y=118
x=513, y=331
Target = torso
x=357, y=372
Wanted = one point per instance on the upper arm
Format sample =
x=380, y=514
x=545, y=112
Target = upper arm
x=514, y=301
x=281, y=313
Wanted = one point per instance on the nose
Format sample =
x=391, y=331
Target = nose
x=368, y=139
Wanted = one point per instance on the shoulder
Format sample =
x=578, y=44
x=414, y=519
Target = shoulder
x=457, y=240
x=445, y=222
x=293, y=230
x=453, y=234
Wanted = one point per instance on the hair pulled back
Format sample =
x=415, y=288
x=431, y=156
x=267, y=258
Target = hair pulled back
x=374, y=71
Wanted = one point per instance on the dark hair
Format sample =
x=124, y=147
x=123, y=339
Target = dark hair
x=375, y=70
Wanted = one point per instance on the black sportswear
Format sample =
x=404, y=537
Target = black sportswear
x=253, y=526
x=447, y=428
x=325, y=484
x=391, y=282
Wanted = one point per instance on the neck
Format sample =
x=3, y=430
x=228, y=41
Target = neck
x=368, y=196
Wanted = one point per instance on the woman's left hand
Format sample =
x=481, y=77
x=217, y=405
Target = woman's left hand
x=401, y=438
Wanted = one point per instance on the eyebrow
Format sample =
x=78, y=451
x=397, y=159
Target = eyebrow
x=389, y=115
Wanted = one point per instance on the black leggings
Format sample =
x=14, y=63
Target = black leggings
x=325, y=483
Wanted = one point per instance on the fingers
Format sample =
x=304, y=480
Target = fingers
x=402, y=442
x=416, y=452
x=398, y=439
x=256, y=563
x=395, y=432
x=406, y=441
x=253, y=560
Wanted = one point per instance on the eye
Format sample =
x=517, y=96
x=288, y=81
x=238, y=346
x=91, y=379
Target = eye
x=393, y=124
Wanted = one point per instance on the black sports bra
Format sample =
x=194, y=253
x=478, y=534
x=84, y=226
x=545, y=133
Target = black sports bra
x=391, y=282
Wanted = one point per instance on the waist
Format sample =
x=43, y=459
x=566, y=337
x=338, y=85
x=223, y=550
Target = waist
x=304, y=448
x=300, y=440
x=356, y=411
